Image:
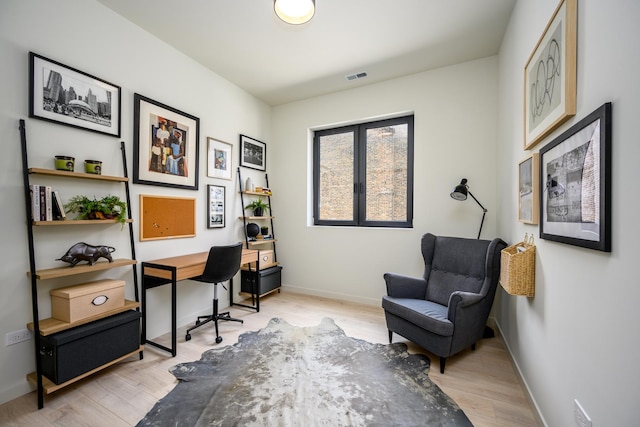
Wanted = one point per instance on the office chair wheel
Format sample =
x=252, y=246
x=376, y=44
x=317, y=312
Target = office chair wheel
x=187, y=337
x=218, y=340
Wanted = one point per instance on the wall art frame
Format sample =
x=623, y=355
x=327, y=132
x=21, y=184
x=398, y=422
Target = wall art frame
x=253, y=153
x=165, y=145
x=216, y=206
x=575, y=172
x=528, y=189
x=65, y=95
x=219, y=159
x=550, y=76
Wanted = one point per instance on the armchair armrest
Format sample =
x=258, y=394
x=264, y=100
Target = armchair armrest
x=463, y=305
x=463, y=299
x=400, y=286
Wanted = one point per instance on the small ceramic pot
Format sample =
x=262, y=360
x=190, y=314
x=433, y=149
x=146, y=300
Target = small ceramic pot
x=64, y=163
x=93, y=166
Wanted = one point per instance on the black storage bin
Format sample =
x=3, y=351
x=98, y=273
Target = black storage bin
x=70, y=353
x=270, y=279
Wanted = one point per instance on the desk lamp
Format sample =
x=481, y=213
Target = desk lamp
x=460, y=193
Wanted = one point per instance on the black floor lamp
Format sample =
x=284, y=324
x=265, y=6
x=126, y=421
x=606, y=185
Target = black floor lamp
x=460, y=193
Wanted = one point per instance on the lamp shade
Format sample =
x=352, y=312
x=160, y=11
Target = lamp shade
x=460, y=191
x=294, y=11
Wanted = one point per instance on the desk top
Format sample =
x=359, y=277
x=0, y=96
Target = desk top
x=191, y=265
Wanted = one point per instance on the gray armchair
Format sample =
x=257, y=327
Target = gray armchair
x=446, y=310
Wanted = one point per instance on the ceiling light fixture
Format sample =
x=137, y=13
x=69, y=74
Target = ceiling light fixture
x=295, y=12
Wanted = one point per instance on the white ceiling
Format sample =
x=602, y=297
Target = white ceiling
x=244, y=42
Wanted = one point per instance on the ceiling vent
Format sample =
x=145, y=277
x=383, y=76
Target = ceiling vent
x=356, y=76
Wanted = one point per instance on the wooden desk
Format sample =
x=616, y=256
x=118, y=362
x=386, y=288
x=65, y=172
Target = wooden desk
x=171, y=270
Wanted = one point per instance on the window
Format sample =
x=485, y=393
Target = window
x=363, y=174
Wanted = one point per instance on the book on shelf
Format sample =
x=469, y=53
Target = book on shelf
x=48, y=203
x=34, y=190
x=43, y=203
x=58, y=207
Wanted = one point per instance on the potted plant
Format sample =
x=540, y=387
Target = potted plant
x=258, y=207
x=264, y=230
x=109, y=207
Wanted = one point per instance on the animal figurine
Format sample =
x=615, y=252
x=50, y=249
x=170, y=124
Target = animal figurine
x=84, y=252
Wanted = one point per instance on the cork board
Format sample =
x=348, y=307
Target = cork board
x=164, y=217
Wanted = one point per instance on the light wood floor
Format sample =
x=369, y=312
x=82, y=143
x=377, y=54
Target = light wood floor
x=482, y=382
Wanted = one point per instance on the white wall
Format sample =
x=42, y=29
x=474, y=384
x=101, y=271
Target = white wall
x=578, y=337
x=87, y=36
x=455, y=137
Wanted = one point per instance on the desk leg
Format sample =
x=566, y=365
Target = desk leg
x=149, y=282
x=174, y=316
x=143, y=335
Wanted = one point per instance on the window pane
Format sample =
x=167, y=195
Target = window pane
x=386, y=173
x=336, y=177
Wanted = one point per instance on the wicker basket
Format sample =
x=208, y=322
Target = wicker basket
x=518, y=268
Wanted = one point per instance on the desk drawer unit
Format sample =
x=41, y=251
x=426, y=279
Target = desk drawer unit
x=270, y=279
x=73, y=352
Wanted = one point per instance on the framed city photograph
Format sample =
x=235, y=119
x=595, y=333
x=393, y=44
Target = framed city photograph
x=165, y=145
x=219, y=161
x=528, y=187
x=216, y=206
x=575, y=172
x=64, y=95
x=550, y=76
x=253, y=153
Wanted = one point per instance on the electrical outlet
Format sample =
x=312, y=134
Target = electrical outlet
x=17, y=336
x=582, y=419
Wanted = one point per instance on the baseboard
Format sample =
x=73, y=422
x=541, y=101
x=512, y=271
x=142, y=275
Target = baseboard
x=537, y=415
x=376, y=302
x=16, y=390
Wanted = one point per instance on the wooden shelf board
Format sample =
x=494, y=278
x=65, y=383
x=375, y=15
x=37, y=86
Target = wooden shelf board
x=51, y=326
x=257, y=217
x=81, y=222
x=54, y=172
x=261, y=242
x=50, y=387
x=256, y=193
x=262, y=266
x=52, y=273
x=248, y=294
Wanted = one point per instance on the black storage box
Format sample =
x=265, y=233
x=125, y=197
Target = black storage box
x=70, y=353
x=270, y=279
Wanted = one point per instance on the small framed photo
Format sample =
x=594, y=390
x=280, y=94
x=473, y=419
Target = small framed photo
x=575, y=171
x=528, y=188
x=61, y=94
x=216, y=206
x=550, y=76
x=219, y=161
x=165, y=145
x=253, y=153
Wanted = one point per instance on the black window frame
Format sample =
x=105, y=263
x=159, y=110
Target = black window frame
x=360, y=172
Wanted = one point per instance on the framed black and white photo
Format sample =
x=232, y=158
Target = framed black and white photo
x=219, y=161
x=216, y=206
x=575, y=178
x=253, y=153
x=528, y=185
x=165, y=145
x=64, y=95
x=550, y=76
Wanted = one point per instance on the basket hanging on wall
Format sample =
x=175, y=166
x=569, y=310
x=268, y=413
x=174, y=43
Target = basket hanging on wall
x=518, y=267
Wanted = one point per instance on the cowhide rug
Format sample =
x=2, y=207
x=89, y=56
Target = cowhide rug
x=285, y=375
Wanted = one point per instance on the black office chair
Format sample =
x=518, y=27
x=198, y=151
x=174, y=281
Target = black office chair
x=222, y=264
